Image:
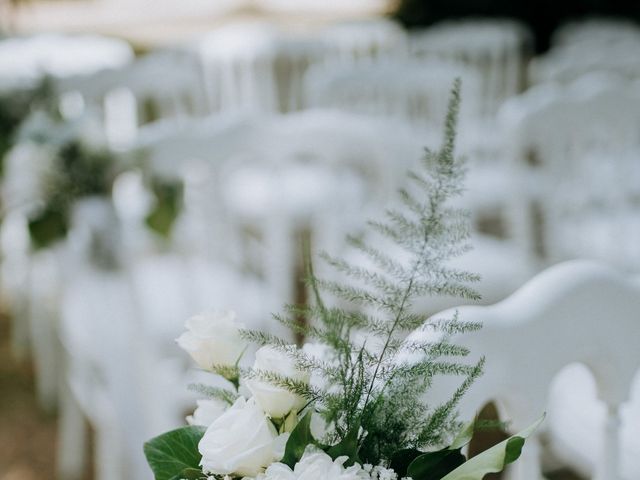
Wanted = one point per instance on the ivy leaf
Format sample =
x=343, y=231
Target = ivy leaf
x=494, y=459
x=298, y=440
x=348, y=447
x=435, y=465
x=171, y=453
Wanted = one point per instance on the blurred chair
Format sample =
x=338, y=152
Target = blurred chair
x=160, y=85
x=259, y=183
x=255, y=67
x=497, y=49
x=120, y=313
x=583, y=47
x=575, y=312
x=568, y=63
x=596, y=31
x=27, y=60
x=578, y=150
x=363, y=42
x=405, y=90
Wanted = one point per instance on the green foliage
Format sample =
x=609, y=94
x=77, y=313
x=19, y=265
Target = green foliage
x=174, y=455
x=48, y=226
x=217, y=393
x=298, y=440
x=190, y=474
x=78, y=171
x=435, y=465
x=371, y=386
x=167, y=206
x=494, y=459
x=15, y=107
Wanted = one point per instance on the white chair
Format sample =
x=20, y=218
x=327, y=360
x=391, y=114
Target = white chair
x=26, y=60
x=406, y=90
x=581, y=47
x=567, y=63
x=363, y=42
x=498, y=49
x=133, y=95
x=595, y=31
x=258, y=184
x=255, y=67
x=121, y=311
x=575, y=312
x=419, y=96
x=577, y=152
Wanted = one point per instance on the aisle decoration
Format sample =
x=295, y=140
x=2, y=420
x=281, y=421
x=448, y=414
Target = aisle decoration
x=354, y=402
x=78, y=165
x=167, y=205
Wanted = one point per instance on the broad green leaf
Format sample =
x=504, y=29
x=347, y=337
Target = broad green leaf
x=190, y=474
x=401, y=459
x=435, y=465
x=348, y=446
x=432, y=465
x=298, y=440
x=464, y=436
x=173, y=452
x=494, y=459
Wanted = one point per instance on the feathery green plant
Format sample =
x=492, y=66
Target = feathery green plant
x=367, y=386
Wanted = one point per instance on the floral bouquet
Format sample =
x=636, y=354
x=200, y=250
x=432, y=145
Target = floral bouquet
x=353, y=404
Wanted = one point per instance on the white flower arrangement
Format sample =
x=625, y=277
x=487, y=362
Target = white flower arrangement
x=341, y=408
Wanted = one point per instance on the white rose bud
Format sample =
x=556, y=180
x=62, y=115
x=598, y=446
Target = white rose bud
x=242, y=441
x=207, y=412
x=277, y=402
x=213, y=339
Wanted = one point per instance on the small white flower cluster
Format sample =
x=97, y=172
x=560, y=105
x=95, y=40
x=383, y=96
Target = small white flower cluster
x=317, y=465
x=381, y=473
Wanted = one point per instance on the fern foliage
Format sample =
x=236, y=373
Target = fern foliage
x=366, y=386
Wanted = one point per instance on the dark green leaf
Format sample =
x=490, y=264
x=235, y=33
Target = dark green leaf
x=435, y=465
x=190, y=474
x=513, y=449
x=173, y=452
x=401, y=459
x=348, y=447
x=298, y=440
x=494, y=459
x=47, y=227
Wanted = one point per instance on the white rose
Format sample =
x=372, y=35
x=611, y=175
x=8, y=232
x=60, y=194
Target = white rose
x=213, y=339
x=207, y=412
x=242, y=441
x=276, y=402
x=316, y=465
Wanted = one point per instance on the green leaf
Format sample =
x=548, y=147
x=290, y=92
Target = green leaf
x=494, y=459
x=401, y=459
x=49, y=226
x=348, y=447
x=435, y=465
x=432, y=465
x=167, y=206
x=171, y=453
x=298, y=441
x=190, y=474
x=464, y=436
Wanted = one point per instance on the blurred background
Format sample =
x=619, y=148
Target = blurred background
x=160, y=158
